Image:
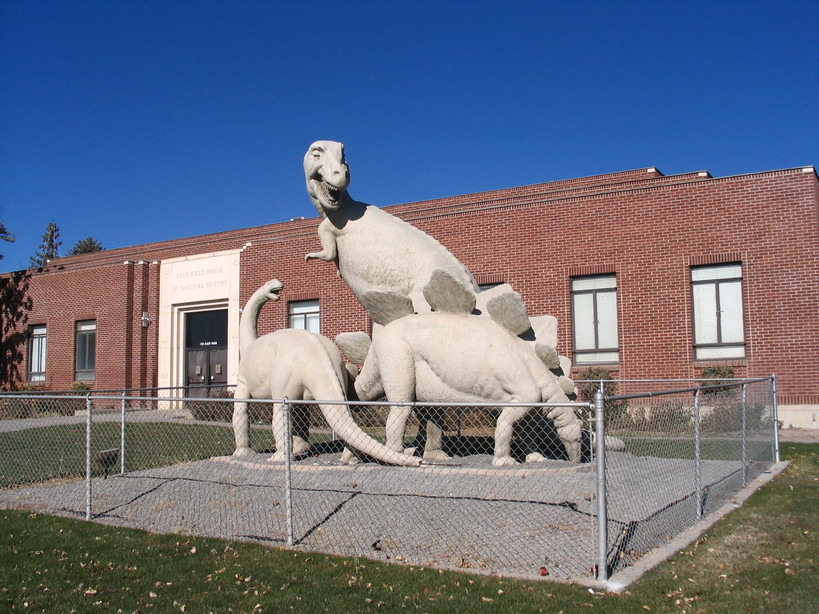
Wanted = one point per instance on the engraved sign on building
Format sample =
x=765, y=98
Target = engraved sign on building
x=200, y=283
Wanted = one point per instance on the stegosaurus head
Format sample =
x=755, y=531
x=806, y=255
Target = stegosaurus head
x=327, y=175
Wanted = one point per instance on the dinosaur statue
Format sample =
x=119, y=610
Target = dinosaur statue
x=379, y=255
x=295, y=364
x=373, y=249
x=395, y=269
x=446, y=357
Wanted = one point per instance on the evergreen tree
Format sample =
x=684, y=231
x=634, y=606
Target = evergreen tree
x=49, y=248
x=5, y=235
x=85, y=246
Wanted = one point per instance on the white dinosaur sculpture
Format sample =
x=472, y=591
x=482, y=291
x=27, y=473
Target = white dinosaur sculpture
x=379, y=255
x=444, y=357
x=295, y=364
x=373, y=249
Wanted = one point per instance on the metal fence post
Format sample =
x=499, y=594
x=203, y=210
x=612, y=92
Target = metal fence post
x=122, y=437
x=602, y=513
x=744, y=434
x=775, y=411
x=88, y=457
x=697, y=459
x=288, y=486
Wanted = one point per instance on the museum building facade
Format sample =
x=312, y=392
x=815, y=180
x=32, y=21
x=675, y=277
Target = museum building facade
x=650, y=276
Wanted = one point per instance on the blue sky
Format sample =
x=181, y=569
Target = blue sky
x=142, y=121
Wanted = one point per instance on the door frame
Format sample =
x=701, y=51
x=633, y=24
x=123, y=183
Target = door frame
x=178, y=356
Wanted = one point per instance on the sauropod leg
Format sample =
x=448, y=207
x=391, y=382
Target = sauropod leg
x=278, y=432
x=397, y=426
x=241, y=424
x=300, y=427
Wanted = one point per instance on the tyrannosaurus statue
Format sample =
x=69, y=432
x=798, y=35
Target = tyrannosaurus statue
x=373, y=249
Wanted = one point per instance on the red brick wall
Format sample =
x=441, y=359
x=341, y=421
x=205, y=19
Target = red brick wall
x=647, y=228
x=650, y=236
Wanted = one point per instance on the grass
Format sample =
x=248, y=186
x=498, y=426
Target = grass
x=58, y=452
x=760, y=558
x=711, y=447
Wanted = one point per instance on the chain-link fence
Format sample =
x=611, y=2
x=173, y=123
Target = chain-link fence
x=467, y=500
x=686, y=452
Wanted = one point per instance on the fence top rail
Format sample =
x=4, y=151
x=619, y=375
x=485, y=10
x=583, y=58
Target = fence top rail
x=723, y=381
x=110, y=391
x=56, y=396
x=726, y=380
x=104, y=397
x=694, y=389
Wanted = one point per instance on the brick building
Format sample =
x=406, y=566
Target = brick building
x=650, y=276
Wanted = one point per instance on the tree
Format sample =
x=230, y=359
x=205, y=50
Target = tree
x=49, y=248
x=15, y=304
x=85, y=246
x=5, y=235
x=14, y=307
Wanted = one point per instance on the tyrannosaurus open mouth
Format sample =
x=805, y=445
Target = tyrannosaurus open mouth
x=328, y=196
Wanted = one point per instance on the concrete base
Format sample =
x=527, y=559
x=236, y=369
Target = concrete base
x=799, y=416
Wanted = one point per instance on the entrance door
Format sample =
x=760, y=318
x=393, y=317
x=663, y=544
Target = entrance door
x=205, y=352
x=206, y=370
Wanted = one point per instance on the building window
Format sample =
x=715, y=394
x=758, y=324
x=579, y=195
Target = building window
x=594, y=319
x=719, y=327
x=37, y=354
x=305, y=315
x=86, y=347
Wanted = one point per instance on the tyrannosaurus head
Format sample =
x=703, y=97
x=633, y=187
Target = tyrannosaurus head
x=327, y=175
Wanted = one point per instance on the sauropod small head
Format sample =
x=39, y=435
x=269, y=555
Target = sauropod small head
x=327, y=175
x=272, y=289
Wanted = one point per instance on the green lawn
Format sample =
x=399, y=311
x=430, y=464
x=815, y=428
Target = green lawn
x=40, y=454
x=711, y=447
x=760, y=558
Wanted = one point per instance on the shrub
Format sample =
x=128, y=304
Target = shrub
x=71, y=406
x=671, y=416
x=29, y=408
x=588, y=383
x=726, y=416
x=663, y=415
x=12, y=408
x=214, y=411
x=720, y=374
